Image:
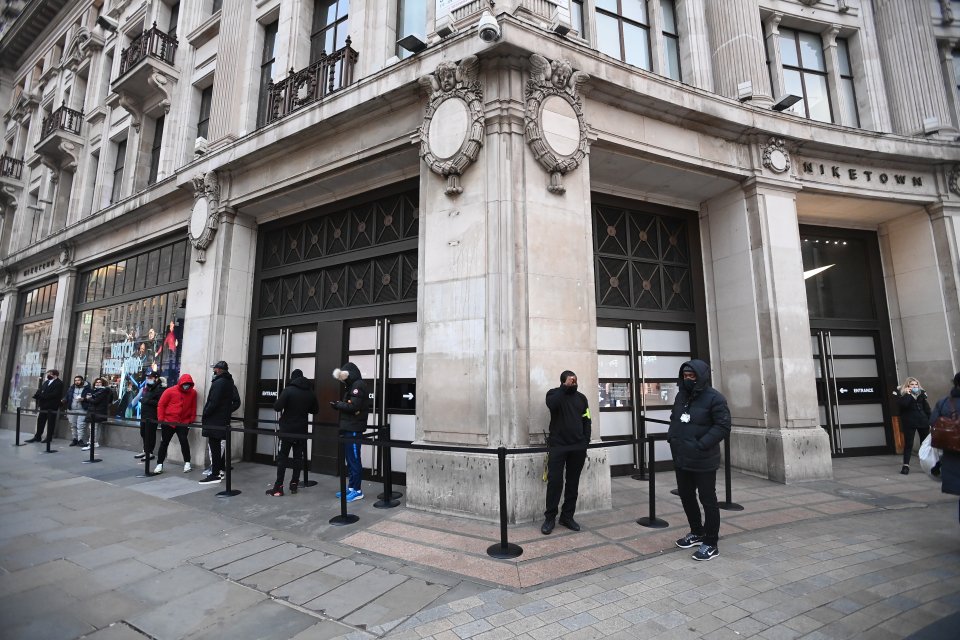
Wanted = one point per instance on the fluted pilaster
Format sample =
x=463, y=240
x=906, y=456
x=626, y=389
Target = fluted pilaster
x=736, y=45
x=228, y=111
x=911, y=68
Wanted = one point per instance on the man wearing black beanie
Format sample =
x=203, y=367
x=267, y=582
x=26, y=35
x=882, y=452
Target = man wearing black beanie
x=570, y=424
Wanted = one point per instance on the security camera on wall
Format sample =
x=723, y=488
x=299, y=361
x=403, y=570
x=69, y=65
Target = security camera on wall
x=488, y=29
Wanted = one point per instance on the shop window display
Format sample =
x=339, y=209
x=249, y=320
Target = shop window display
x=124, y=342
x=30, y=363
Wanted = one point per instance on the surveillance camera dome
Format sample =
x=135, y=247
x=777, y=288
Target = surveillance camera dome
x=488, y=29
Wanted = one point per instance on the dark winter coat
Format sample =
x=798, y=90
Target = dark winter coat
x=695, y=444
x=149, y=401
x=353, y=406
x=222, y=400
x=177, y=405
x=97, y=403
x=49, y=394
x=68, y=396
x=295, y=404
x=914, y=411
x=570, y=421
x=950, y=460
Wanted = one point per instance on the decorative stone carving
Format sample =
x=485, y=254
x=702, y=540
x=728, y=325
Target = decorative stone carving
x=809, y=3
x=946, y=11
x=65, y=257
x=452, y=131
x=8, y=199
x=553, y=118
x=7, y=277
x=84, y=43
x=953, y=180
x=164, y=86
x=205, y=218
x=775, y=156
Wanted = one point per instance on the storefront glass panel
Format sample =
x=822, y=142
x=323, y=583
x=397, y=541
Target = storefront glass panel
x=29, y=363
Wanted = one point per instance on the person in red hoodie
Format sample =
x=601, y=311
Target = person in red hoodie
x=177, y=404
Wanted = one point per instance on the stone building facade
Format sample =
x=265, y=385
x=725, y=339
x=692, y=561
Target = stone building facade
x=466, y=198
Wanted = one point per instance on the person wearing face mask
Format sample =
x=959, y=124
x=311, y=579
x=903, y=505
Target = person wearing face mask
x=73, y=403
x=178, y=404
x=699, y=422
x=914, y=416
x=149, y=399
x=48, y=398
x=353, y=422
x=97, y=404
x=223, y=399
x=570, y=425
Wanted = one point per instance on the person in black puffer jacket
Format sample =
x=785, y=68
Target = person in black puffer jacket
x=97, y=405
x=949, y=460
x=570, y=425
x=699, y=422
x=353, y=422
x=914, y=416
x=149, y=399
x=222, y=400
x=295, y=404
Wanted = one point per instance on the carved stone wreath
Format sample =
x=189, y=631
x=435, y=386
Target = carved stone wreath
x=205, y=218
x=455, y=96
x=550, y=82
x=953, y=179
x=775, y=156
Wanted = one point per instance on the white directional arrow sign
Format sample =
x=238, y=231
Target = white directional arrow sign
x=407, y=396
x=843, y=390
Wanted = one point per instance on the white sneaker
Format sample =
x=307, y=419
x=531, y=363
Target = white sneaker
x=87, y=448
x=158, y=468
x=187, y=468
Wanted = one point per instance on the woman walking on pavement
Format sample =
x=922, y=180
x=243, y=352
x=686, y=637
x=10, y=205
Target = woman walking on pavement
x=950, y=460
x=914, y=417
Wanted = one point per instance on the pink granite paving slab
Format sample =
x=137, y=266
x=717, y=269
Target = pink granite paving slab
x=773, y=518
x=620, y=531
x=465, y=526
x=486, y=568
x=539, y=571
x=441, y=539
x=809, y=498
x=554, y=544
x=656, y=542
x=841, y=506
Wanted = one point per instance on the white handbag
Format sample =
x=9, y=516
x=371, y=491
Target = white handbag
x=929, y=457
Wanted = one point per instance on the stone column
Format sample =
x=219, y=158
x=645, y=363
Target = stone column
x=218, y=315
x=8, y=308
x=736, y=42
x=911, y=67
x=761, y=332
x=694, y=44
x=229, y=109
x=506, y=303
x=57, y=356
x=945, y=218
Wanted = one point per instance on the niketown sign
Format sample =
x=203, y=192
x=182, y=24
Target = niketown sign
x=865, y=176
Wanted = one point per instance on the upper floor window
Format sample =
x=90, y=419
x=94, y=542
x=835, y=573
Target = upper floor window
x=267, y=58
x=805, y=73
x=215, y=6
x=847, y=87
x=203, y=120
x=411, y=20
x=174, y=19
x=671, y=39
x=155, y=151
x=623, y=31
x=331, y=26
x=576, y=17
x=117, y=187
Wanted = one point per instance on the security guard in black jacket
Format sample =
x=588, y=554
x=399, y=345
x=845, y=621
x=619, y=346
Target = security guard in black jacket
x=570, y=424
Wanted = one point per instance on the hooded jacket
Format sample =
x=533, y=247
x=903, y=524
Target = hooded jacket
x=68, y=396
x=149, y=400
x=296, y=402
x=914, y=411
x=570, y=421
x=695, y=443
x=219, y=404
x=177, y=405
x=353, y=406
x=97, y=402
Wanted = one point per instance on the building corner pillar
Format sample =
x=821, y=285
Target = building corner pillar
x=760, y=321
x=737, y=44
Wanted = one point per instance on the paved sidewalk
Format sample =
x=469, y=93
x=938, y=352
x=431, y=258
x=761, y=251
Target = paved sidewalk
x=92, y=551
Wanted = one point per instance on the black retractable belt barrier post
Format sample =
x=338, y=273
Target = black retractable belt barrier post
x=642, y=475
x=16, y=442
x=227, y=465
x=652, y=521
x=50, y=431
x=728, y=504
x=344, y=518
x=388, y=499
x=504, y=549
x=93, y=442
x=307, y=482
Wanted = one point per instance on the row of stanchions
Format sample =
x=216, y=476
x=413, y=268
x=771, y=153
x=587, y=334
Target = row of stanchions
x=389, y=498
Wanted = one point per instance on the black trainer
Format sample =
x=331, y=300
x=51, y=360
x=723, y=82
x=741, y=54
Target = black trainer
x=905, y=469
x=706, y=552
x=689, y=541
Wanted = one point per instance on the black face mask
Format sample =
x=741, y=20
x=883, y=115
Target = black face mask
x=571, y=389
x=49, y=377
x=689, y=385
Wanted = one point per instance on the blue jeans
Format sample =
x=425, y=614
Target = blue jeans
x=352, y=455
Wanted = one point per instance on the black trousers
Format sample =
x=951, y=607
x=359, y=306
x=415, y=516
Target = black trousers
x=556, y=462
x=702, y=483
x=148, y=433
x=46, y=417
x=216, y=456
x=908, y=435
x=166, y=435
x=299, y=455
